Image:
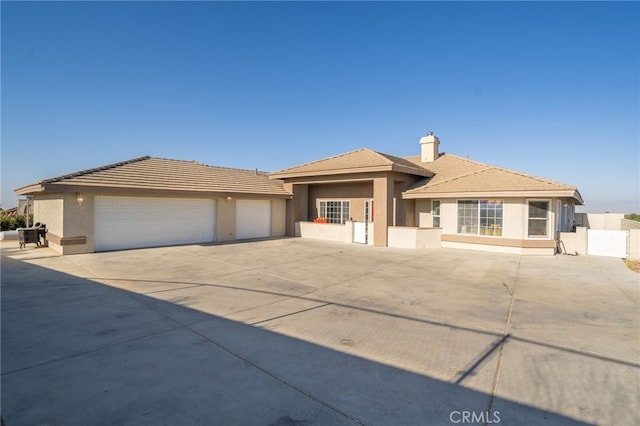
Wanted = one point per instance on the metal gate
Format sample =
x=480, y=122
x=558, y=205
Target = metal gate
x=607, y=243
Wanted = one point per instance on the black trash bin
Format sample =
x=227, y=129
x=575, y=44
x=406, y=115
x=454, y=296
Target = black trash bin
x=32, y=235
x=29, y=235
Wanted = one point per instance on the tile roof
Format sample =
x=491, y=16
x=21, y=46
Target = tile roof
x=358, y=161
x=161, y=174
x=455, y=175
x=13, y=211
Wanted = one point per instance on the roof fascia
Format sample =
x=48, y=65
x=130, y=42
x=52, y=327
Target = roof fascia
x=29, y=189
x=362, y=170
x=496, y=194
x=110, y=190
x=332, y=172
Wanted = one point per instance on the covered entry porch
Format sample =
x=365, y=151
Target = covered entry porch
x=363, y=187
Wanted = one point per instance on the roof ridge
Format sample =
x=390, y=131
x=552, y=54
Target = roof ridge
x=467, y=159
x=382, y=155
x=211, y=166
x=464, y=175
x=504, y=169
x=530, y=176
x=320, y=160
x=394, y=158
x=95, y=169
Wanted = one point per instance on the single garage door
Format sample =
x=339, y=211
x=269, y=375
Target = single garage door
x=134, y=222
x=253, y=219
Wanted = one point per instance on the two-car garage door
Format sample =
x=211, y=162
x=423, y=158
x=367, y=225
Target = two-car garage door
x=134, y=222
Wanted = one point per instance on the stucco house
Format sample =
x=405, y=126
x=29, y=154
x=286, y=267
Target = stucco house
x=368, y=197
x=429, y=200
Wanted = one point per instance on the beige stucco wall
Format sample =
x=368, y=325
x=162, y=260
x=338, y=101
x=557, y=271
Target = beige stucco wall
x=326, y=231
x=411, y=237
x=573, y=242
x=423, y=214
x=609, y=221
x=297, y=208
x=225, y=219
x=356, y=192
x=633, y=249
x=542, y=251
x=79, y=220
x=278, y=218
x=48, y=209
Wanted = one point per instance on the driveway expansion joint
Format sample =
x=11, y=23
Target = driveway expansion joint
x=503, y=341
x=275, y=377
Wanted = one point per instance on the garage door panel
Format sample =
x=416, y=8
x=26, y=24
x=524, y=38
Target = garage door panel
x=135, y=222
x=253, y=219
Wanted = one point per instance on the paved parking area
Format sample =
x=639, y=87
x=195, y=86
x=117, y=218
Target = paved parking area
x=301, y=332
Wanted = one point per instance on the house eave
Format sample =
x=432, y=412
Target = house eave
x=30, y=189
x=562, y=193
x=353, y=170
x=148, y=191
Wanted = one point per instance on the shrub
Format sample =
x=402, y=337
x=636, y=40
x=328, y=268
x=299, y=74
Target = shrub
x=10, y=223
x=633, y=216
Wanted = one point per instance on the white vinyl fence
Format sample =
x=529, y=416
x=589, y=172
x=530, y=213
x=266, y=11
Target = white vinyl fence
x=607, y=243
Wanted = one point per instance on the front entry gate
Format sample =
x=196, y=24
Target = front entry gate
x=360, y=232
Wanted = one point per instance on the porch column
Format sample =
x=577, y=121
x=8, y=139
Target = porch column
x=410, y=207
x=383, y=209
x=297, y=208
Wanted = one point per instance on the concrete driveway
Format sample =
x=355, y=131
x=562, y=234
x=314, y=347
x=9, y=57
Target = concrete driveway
x=300, y=332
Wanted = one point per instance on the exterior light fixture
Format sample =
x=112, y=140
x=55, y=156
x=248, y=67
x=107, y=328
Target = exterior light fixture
x=229, y=198
x=79, y=198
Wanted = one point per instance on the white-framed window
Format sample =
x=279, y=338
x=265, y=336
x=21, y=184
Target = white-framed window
x=435, y=213
x=335, y=211
x=480, y=217
x=368, y=211
x=538, y=218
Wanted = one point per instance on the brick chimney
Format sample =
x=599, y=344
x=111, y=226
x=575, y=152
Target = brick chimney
x=430, y=146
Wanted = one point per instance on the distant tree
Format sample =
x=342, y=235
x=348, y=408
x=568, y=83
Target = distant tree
x=633, y=216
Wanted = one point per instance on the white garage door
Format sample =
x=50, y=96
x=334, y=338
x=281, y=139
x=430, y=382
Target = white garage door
x=253, y=219
x=134, y=222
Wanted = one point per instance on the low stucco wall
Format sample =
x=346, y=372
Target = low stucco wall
x=8, y=235
x=325, y=231
x=608, y=221
x=629, y=224
x=539, y=251
x=573, y=242
x=633, y=241
x=409, y=237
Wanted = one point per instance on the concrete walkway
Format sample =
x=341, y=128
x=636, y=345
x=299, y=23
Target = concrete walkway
x=300, y=332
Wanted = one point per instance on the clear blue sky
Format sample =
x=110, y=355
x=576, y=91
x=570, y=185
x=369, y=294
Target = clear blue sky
x=546, y=88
